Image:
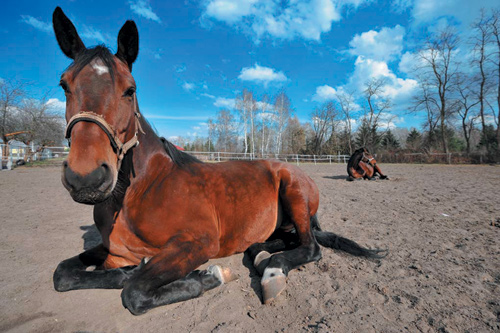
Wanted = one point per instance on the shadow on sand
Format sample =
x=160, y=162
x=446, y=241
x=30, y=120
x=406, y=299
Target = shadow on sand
x=91, y=237
x=342, y=177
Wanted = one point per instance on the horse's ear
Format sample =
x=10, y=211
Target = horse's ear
x=128, y=43
x=67, y=37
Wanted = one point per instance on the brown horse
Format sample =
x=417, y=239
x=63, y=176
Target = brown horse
x=161, y=212
x=362, y=165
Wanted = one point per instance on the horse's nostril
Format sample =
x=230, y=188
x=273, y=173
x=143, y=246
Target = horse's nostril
x=105, y=166
x=65, y=164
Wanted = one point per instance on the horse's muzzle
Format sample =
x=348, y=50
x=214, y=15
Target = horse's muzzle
x=89, y=189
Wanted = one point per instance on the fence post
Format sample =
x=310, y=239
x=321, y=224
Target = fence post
x=218, y=156
x=314, y=158
x=449, y=158
x=297, y=155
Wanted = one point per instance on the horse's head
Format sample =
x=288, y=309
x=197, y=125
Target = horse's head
x=101, y=109
x=368, y=157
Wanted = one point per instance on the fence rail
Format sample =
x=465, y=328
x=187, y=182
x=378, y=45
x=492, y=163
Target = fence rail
x=13, y=154
x=290, y=158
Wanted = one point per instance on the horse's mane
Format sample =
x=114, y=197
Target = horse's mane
x=85, y=57
x=355, y=158
x=180, y=158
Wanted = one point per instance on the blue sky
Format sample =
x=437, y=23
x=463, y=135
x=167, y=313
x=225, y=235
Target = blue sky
x=197, y=55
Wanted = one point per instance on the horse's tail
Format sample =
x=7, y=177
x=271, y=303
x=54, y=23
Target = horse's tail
x=333, y=241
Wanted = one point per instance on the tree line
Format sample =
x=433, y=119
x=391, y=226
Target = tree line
x=458, y=95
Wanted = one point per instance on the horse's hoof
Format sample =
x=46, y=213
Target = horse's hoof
x=225, y=275
x=261, y=261
x=273, y=283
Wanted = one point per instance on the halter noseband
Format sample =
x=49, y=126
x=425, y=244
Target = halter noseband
x=120, y=148
x=368, y=160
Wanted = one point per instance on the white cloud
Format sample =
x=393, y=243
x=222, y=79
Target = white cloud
x=261, y=74
x=36, y=23
x=383, y=45
x=142, y=8
x=429, y=11
x=324, y=93
x=222, y=102
x=208, y=95
x=398, y=89
x=56, y=104
x=188, y=86
x=407, y=63
x=180, y=68
x=229, y=11
x=286, y=20
x=94, y=34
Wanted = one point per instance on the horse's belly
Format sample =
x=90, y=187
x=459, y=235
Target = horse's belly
x=238, y=234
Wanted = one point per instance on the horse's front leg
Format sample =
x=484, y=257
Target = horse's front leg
x=170, y=277
x=368, y=170
x=80, y=272
x=377, y=169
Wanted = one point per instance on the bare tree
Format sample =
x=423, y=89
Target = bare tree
x=482, y=36
x=43, y=124
x=282, y=109
x=467, y=101
x=439, y=67
x=246, y=106
x=11, y=93
x=377, y=105
x=428, y=102
x=225, y=131
x=265, y=124
x=296, y=135
x=211, y=133
x=495, y=30
x=347, y=106
x=323, y=123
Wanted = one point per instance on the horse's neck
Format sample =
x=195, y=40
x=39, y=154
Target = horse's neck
x=135, y=165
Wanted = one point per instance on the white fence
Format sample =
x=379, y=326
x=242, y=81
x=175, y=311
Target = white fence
x=290, y=158
x=15, y=153
x=18, y=153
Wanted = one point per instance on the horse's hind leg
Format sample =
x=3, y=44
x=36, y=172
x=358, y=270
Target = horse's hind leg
x=74, y=273
x=299, y=198
x=260, y=253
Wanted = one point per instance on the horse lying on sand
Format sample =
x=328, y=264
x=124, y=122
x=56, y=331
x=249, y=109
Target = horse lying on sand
x=362, y=165
x=162, y=213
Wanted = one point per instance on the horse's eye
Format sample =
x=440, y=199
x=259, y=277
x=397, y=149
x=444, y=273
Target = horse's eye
x=64, y=86
x=129, y=92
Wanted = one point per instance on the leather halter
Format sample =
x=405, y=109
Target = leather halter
x=119, y=147
x=368, y=160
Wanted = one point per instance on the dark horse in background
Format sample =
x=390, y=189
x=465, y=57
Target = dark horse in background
x=162, y=213
x=362, y=165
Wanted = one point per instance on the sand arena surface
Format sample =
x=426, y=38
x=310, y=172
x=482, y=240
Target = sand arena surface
x=442, y=273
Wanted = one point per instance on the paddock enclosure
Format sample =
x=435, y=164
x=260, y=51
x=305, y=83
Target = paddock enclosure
x=441, y=224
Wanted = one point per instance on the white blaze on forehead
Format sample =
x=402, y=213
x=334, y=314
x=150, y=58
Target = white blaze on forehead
x=99, y=67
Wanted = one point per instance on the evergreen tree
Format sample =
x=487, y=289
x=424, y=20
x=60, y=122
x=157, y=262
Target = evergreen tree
x=414, y=140
x=389, y=141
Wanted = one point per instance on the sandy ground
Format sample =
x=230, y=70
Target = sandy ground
x=442, y=273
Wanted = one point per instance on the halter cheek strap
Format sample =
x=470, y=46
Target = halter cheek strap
x=120, y=148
